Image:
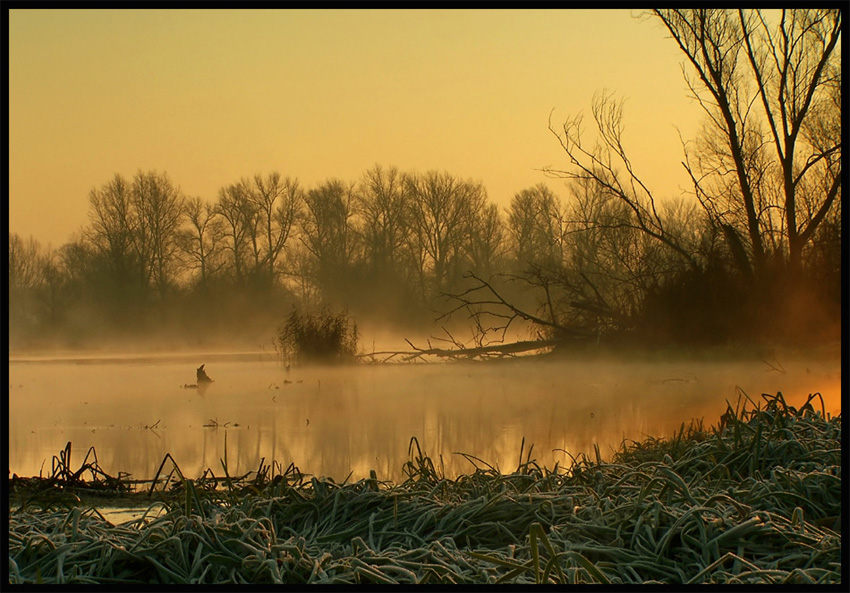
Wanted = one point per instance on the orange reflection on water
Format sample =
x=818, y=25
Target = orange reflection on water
x=347, y=421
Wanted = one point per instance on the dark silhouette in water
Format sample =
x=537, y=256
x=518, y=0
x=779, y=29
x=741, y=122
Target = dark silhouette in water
x=202, y=375
x=203, y=380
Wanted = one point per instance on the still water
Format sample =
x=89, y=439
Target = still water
x=340, y=421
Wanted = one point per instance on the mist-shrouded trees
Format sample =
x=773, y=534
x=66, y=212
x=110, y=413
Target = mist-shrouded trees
x=256, y=216
x=535, y=225
x=133, y=230
x=25, y=277
x=239, y=219
x=444, y=210
x=609, y=258
x=44, y=286
x=277, y=203
x=389, y=261
x=383, y=205
x=112, y=224
x=158, y=216
x=327, y=234
x=201, y=239
x=24, y=265
x=485, y=248
x=580, y=269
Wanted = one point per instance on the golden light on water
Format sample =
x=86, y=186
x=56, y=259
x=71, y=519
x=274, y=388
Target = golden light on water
x=212, y=96
x=337, y=422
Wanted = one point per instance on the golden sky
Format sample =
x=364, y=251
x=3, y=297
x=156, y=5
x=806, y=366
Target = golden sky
x=211, y=96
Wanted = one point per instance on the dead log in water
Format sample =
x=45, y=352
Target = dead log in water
x=480, y=352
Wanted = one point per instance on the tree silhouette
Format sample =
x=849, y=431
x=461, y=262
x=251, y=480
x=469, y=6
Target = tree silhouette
x=239, y=214
x=201, y=238
x=327, y=232
x=277, y=204
x=159, y=211
x=770, y=86
x=443, y=211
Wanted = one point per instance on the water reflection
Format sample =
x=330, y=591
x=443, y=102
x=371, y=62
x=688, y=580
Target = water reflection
x=336, y=422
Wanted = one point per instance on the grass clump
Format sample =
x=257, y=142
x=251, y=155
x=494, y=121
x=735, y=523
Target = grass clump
x=322, y=336
x=754, y=499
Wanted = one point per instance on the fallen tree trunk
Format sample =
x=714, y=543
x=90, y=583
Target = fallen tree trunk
x=493, y=351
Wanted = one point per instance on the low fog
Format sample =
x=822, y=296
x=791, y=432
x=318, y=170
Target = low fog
x=350, y=419
x=339, y=321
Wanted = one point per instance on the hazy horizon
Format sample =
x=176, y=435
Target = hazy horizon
x=211, y=96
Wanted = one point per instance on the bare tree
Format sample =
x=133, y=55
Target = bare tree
x=53, y=296
x=30, y=276
x=327, y=232
x=239, y=214
x=536, y=226
x=442, y=214
x=201, y=241
x=39, y=287
x=24, y=268
x=486, y=244
x=159, y=211
x=277, y=203
x=608, y=166
x=770, y=85
x=113, y=224
x=383, y=206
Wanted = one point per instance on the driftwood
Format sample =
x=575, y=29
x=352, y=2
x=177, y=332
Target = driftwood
x=202, y=375
x=203, y=380
x=492, y=351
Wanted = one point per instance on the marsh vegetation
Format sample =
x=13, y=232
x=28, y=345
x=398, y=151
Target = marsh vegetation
x=628, y=295
x=754, y=498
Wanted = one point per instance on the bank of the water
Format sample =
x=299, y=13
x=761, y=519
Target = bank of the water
x=754, y=499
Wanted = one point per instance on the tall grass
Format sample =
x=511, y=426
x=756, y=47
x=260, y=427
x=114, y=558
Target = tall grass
x=755, y=498
x=323, y=336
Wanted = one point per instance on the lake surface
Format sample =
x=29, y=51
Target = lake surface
x=339, y=421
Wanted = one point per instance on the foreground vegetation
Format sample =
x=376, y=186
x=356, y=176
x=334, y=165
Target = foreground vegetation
x=754, y=499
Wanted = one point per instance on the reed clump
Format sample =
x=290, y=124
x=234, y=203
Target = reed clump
x=324, y=337
x=753, y=499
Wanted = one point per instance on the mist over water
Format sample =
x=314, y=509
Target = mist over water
x=341, y=421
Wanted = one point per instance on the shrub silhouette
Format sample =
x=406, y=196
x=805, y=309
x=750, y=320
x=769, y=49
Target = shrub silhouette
x=323, y=336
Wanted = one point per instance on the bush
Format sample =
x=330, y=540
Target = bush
x=323, y=336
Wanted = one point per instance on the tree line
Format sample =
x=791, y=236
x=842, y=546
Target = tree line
x=753, y=252
x=149, y=251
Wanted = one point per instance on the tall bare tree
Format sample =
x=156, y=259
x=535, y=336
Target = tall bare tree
x=485, y=246
x=769, y=82
x=327, y=232
x=766, y=167
x=277, y=203
x=536, y=225
x=201, y=239
x=383, y=205
x=443, y=209
x=239, y=214
x=159, y=213
x=113, y=222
